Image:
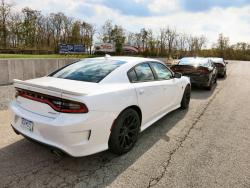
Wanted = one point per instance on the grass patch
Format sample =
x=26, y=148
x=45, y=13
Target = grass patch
x=32, y=56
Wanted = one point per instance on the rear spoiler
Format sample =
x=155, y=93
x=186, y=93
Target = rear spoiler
x=19, y=84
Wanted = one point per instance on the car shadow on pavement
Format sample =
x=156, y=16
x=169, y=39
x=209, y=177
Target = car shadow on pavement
x=24, y=163
x=201, y=92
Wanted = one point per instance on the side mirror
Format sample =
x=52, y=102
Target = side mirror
x=226, y=62
x=177, y=75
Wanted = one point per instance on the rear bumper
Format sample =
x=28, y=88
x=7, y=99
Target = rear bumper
x=199, y=80
x=37, y=141
x=75, y=134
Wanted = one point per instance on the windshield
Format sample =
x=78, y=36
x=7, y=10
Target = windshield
x=89, y=70
x=194, y=62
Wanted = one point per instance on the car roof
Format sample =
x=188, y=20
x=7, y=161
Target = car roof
x=127, y=59
x=191, y=58
x=216, y=59
x=119, y=75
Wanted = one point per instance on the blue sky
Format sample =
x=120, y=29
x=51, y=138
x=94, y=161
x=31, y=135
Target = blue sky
x=140, y=7
x=205, y=5
x=199, y=17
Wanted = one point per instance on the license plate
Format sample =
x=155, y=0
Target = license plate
x=26, y=124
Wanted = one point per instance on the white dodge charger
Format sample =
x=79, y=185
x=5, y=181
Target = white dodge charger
x=97, y=104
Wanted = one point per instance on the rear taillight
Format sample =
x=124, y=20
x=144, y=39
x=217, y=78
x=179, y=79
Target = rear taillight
x=68, y=106
x=58, y=104
x=203, y=70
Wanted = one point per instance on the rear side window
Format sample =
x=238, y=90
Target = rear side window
x=89, y=70
x=144, y=72
x=161, y=71
x=132, y=76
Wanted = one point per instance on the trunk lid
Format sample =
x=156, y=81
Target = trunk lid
x=50, y=86
x=187, y=70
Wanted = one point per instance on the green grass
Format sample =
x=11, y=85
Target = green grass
x=30, y=56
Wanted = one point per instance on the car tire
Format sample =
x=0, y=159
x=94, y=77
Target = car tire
x=210, y=86
x=124, y=132
x=186, y=97
x=215, y=80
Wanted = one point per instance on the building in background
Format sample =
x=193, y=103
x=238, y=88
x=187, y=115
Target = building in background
x=127, y=49
x=109, y=48
x=103, y=48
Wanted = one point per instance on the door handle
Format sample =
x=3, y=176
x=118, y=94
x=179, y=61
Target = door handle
x=141, y=91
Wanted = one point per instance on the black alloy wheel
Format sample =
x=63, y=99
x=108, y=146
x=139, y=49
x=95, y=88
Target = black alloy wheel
x=125, y=132
x=186, y=97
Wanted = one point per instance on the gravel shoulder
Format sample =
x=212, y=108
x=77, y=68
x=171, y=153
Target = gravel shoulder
x=6, y=95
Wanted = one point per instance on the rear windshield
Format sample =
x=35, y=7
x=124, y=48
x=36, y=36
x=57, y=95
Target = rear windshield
x=194, y=62
x=89, y=70
x=217, y=60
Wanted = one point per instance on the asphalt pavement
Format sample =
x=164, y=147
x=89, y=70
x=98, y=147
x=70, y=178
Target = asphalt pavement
x=207, y=145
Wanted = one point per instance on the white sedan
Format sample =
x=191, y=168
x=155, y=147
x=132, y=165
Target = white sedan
x=97, y=104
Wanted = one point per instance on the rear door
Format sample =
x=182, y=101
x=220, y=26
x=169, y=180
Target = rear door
x=150, y=92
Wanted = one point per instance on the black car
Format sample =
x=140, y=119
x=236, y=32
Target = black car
x=202, y=71
x=221, y=66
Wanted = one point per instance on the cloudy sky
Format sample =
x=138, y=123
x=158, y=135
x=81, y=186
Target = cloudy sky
x=198, y=17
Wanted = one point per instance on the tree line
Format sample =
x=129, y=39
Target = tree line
x=30, y=29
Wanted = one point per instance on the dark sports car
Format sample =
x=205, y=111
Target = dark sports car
x=202, y=71
x=220, y=65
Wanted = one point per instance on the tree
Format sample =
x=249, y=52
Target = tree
x=118, y=38
x=15, y=34
x=29, y=26
x=87, y=32
x=5, y=9
x=182, y=44
x=67, y=29
x=151, y=46
x=171, y=36
x=222, y=45
x=144, y=38
x=138, y=41
x=162, y=41
x=106, y=31
x=57, y=26
x=130, y=39
x=76, y=36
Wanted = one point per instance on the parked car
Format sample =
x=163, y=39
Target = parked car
x=221, y=66
x=98, y=103
x=202, y=71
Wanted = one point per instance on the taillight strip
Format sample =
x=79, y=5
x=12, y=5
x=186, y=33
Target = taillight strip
x=83, y=107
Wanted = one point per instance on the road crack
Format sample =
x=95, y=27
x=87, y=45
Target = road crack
x=155, y=180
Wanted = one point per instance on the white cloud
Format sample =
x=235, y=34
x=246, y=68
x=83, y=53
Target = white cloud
x=139, y=1
x=233, y=22
x=163, y=6
x=48, y=6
